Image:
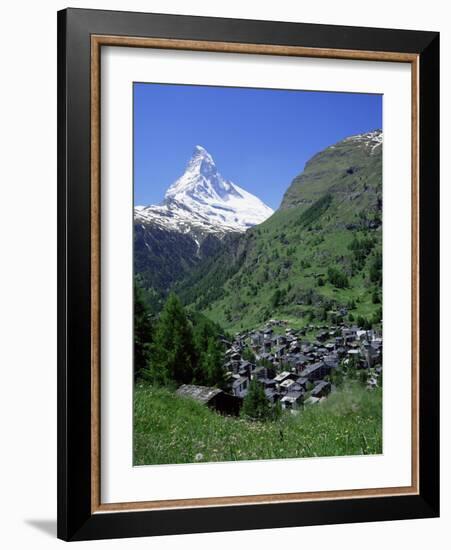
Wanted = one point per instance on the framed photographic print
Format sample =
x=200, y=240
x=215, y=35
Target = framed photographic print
x=248, y=274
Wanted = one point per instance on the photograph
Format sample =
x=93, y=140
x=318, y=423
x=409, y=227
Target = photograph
x=257, y=274
x=248, y=289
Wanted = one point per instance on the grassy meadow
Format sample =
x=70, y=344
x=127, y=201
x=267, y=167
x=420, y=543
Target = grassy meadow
x=169, y=429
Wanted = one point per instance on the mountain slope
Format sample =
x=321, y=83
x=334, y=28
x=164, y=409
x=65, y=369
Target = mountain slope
x=340, y=168
x=200, y=211
x=330, y=217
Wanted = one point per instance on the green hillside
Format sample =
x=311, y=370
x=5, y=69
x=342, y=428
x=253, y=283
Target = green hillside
x=318, y=254
x=169, y=429
x=347, y=168
x=163, y=257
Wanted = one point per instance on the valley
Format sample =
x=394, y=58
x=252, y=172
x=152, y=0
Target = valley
x=260, y=314
x=318, y=254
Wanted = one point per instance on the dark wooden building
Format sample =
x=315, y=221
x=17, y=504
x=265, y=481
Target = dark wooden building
x=214, y=398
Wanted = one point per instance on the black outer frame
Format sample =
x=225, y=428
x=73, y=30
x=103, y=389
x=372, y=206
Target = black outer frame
x=75, y=520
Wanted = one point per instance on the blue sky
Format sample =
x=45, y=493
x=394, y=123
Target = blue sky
x=260, y=139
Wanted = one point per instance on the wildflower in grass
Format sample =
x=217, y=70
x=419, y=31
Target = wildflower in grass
x=198, y=457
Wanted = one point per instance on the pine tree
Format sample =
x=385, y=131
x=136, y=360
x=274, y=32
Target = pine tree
x=209, y=367
x=202, y=332
x=173, y=356
x=375, y=297
x=255, y=404
x=213, y=373
x=142, y=332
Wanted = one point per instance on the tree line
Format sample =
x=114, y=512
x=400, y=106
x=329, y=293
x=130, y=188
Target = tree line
x=176, y=347
x=181, y=348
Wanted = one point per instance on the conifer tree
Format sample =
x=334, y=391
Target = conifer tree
x=172, y=353
x=255, y=404
x=142, y=332
x=212, y=365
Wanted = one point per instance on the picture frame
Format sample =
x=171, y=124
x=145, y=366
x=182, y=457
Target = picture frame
x=81, y=36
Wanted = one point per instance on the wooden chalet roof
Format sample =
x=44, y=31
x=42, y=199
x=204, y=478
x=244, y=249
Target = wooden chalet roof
x=203, y=394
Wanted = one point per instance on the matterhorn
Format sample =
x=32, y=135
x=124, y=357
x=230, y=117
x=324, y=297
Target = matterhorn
x=202, y=199
x=200, y=209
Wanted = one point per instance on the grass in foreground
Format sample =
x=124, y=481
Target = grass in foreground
x=171, y=430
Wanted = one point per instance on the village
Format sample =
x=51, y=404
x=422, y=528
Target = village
x=297, y=367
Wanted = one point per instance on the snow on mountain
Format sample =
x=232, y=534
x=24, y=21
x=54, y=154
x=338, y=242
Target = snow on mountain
x=369, y=139
x=202, y=199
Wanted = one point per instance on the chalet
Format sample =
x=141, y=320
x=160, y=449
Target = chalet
x=295, y=347
x=280, y=351
x=339, y=341
x=245, y=368
x=376, y=343
x=288, y=360
x=286, y=385
x=292, y=401
x=259, y=373
x=272, y=395
x=282, y=376
x=281, y=340
x=239, y=386
x=214, y=398
x=322, y=389
x=307, y=348
x=267, y=344
x=296, y=387
x=349, y=334
x=239, y=343
x=270, y=372
x=371, y=354
x=256, y=339
x=244, y=373
x=302, y=382
x=235, y=356
x=331, y=361
x=317, y=371
x=228, y=366
x=268, y=382
x=362, y=335
x=302, y=359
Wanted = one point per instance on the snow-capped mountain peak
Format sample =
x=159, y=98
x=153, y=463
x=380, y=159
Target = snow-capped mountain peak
x=370, y=140
x=202, y=198
x=201, y=180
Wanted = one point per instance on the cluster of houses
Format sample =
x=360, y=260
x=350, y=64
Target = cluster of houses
x=293, y=369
